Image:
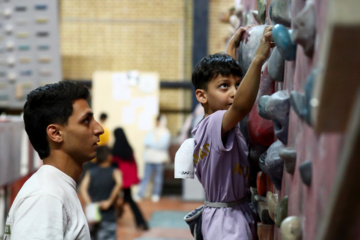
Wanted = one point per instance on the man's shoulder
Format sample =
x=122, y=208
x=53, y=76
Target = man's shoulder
x=47, y=181
x=31, y=187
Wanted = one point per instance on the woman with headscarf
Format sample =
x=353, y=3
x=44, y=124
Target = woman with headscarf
x=123, y=156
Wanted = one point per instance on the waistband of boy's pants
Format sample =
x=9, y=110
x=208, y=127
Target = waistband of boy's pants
x=223, y=204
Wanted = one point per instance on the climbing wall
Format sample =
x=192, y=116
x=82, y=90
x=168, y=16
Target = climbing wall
x=314, y=110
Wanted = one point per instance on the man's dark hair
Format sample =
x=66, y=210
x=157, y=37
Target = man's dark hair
x=211, y=66
x=103, y=116
x=102, y=154
x=50, y=104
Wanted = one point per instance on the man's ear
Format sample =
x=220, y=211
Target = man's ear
x=54, y=133
x=201, y=96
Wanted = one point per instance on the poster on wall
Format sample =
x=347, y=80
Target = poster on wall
x=131, y=101
x=121, y=86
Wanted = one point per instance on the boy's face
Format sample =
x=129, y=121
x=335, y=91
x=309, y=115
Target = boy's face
x=219, y=94
x=82, y=132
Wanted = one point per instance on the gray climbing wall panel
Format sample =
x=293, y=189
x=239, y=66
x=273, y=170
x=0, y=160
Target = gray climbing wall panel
x=29, y=48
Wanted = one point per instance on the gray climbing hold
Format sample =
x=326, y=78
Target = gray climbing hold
x=276, y=64
x=309, y=92
x=288, y=155
x=279, y=12
x=305, y=172
x=300, y=102
x=262, y=107
x=277, y=108
x=248, y=46
x=304, y=28
x=271, y=163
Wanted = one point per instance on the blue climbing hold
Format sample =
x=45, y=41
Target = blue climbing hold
x=284, y=42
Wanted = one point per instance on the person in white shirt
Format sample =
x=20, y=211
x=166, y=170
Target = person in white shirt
x=156, y=153
x=62, y=129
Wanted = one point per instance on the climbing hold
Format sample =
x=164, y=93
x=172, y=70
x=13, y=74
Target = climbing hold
x=271, y=164
x=309, y=93
x=288, y=155
x=306, y=172
x=290, y=228
x=304, y=28
x=263, y=211
x=300, y=102
x=279, y=12
x=281, y=211
x=261, y=183
x=261, y=6
x=248, y=46
x=272, y=202
x=277, y=107
x=284, y=41
x=262, y=107
x=276, y=66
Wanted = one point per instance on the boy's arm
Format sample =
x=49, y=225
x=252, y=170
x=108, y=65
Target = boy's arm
x=246, y=94
x=104, y=205
x=84, y=188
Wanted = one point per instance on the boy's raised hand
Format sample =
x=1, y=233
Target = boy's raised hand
x=263, y=50
x=246, y=93
x=234, y=41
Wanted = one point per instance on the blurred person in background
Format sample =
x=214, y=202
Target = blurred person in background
x=104, y=141
x=191, y=121
x=104, y=138
x=100, y=188
x=123, y=156
x=156, y=153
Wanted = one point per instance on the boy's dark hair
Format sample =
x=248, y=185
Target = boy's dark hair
x=102, y=154
x=103, y=116
x=211, y=66
x=49, y=104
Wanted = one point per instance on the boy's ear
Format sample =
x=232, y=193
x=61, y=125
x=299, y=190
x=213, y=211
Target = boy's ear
x=54, y=133
x=201, y=96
